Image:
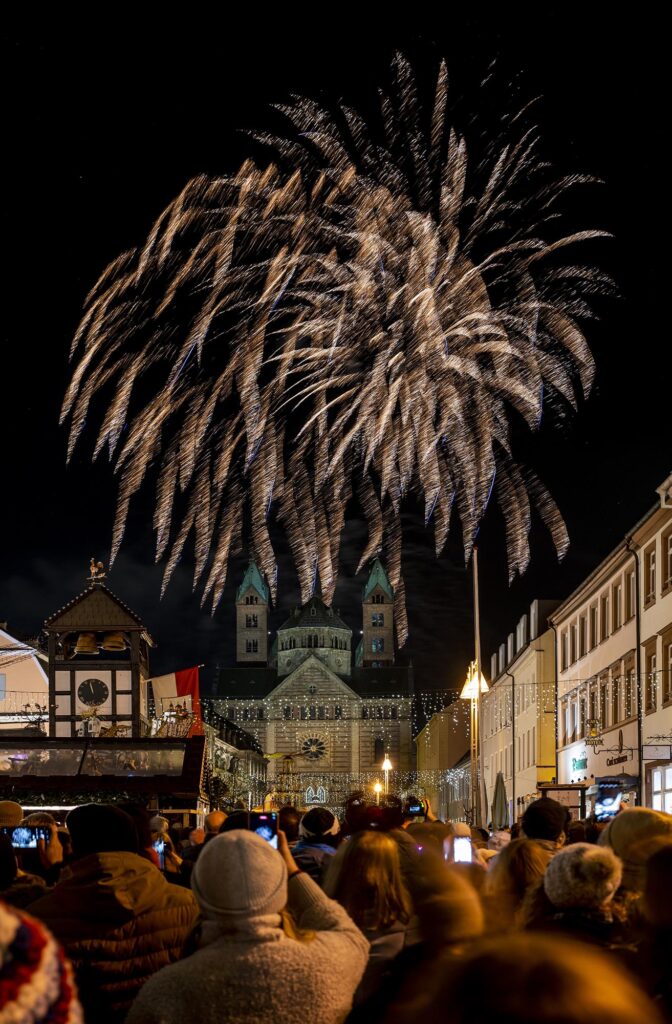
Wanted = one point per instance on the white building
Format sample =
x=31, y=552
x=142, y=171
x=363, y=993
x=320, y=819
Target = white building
x=653, y=541
x=442, y=754
x=517, y=714
x=23, y=681
x=614, y=652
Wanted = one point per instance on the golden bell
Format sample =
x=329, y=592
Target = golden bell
x=86, y=644
x=114, y=642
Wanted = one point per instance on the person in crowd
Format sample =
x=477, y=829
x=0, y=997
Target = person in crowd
x=449, y=920
x=213, y=823
x=143, y=822
x=318, y=838
x=533, y=979
x=273, y=946
x=364, y=876
x=655, y=951
x=36, y=979
x=518, y=868
x=115, y=914
x=629, y=835
x=288, y=822
x=546, y=821
x=499, y=839
x=580, y=884
x=430, y=835
x=195, y=841
x=17, y=887
x=11, y=814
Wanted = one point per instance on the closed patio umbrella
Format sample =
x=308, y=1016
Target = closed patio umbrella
x=500, y=804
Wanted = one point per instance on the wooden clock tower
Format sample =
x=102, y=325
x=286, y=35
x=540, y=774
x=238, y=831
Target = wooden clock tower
x=98, y=656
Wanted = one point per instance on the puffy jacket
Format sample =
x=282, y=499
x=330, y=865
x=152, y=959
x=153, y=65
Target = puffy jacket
x=313, y=858
x=119, y=921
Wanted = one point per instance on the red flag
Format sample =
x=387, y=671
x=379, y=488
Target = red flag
x=187, y=683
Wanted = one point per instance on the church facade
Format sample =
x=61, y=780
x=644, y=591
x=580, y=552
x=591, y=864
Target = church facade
x=326, y=713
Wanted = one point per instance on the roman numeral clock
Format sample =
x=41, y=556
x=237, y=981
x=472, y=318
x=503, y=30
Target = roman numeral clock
x=98, y=655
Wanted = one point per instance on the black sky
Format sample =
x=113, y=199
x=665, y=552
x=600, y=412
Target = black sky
x=102, y=125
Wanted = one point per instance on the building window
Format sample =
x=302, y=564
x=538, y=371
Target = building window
x=667, y=670
x=377, y=619
x=666, y=551
x=321, y=713
x=303, y=713
x=651, y=680
x=603, y=705
x=394, y=712
x=251, y=621
x=649, y=576
x=574, y=637
x=629, y=696
x=312, y=712
x=564, y=659
x=365, y=711
x=604, y=616
x=378, y=599
x=378, y=749
x=377, y=644
x=583, y=626
x=251, y=646
x=593, y=626
x=630, y=594
x=617, y=605
x=615, y=700
x=260, y=714
x=3, y=685
x=338, y=712
x=582, y=718
x=313, y=611
x=661, y=786
x=287, y=712
x=251, y=599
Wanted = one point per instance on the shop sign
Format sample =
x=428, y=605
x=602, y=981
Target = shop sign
x=580, y=764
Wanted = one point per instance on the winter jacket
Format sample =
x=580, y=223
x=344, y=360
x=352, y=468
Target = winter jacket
x=384, y=947
x=119, y=921
x=255, y=972
x=313, y=858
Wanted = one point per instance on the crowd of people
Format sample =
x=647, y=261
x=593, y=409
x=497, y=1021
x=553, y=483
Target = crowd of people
x=375, y=915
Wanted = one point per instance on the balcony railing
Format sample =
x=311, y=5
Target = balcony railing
x=13, y=702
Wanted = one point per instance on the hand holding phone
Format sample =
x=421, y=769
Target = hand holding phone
x=463, y=851
x=265, y=824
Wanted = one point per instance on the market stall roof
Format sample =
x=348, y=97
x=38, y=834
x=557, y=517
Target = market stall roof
x=96, y=608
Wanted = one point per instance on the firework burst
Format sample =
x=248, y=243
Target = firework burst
x=361, y=317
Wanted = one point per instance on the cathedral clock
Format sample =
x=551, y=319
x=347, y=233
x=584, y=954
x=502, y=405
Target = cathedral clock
x=98, y=655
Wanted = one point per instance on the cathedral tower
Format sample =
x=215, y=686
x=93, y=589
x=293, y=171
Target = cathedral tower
x=378, y=619
x=252, y=617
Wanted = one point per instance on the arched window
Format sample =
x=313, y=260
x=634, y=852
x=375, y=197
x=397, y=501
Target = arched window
x=310, y=795
x=321, y=795
x=315, y=642
x=338, y=711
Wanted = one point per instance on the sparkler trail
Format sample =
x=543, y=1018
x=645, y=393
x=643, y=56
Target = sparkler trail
x=360, y=317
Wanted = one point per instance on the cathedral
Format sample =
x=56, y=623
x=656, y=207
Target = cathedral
x=325, y=712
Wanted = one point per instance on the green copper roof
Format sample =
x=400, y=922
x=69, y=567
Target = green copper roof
x=378, y=578
x=253, y=578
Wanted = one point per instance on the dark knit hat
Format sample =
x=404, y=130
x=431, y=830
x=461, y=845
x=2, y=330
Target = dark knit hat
x=545, y=819
x=318, y=822
x=101, y=828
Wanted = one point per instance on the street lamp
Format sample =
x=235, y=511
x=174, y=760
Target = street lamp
x=387, y=768
x=377, y=788
x=474, y=686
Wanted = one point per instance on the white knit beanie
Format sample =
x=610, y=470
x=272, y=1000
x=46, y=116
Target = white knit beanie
x=582, y=875
x=238, y=875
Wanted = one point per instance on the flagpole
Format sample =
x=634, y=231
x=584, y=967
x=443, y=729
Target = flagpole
x=476, y=704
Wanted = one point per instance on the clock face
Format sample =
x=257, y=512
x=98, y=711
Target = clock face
x=313, y=748
x=93, y=692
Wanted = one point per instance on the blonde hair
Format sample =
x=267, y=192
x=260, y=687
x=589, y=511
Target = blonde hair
x=516, y=872
x=364, y=876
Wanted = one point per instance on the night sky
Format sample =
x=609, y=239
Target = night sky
x=102, y=126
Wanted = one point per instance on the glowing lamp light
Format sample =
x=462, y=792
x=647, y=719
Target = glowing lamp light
x=471, y=688
x=387, y=764
x=377, y=789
